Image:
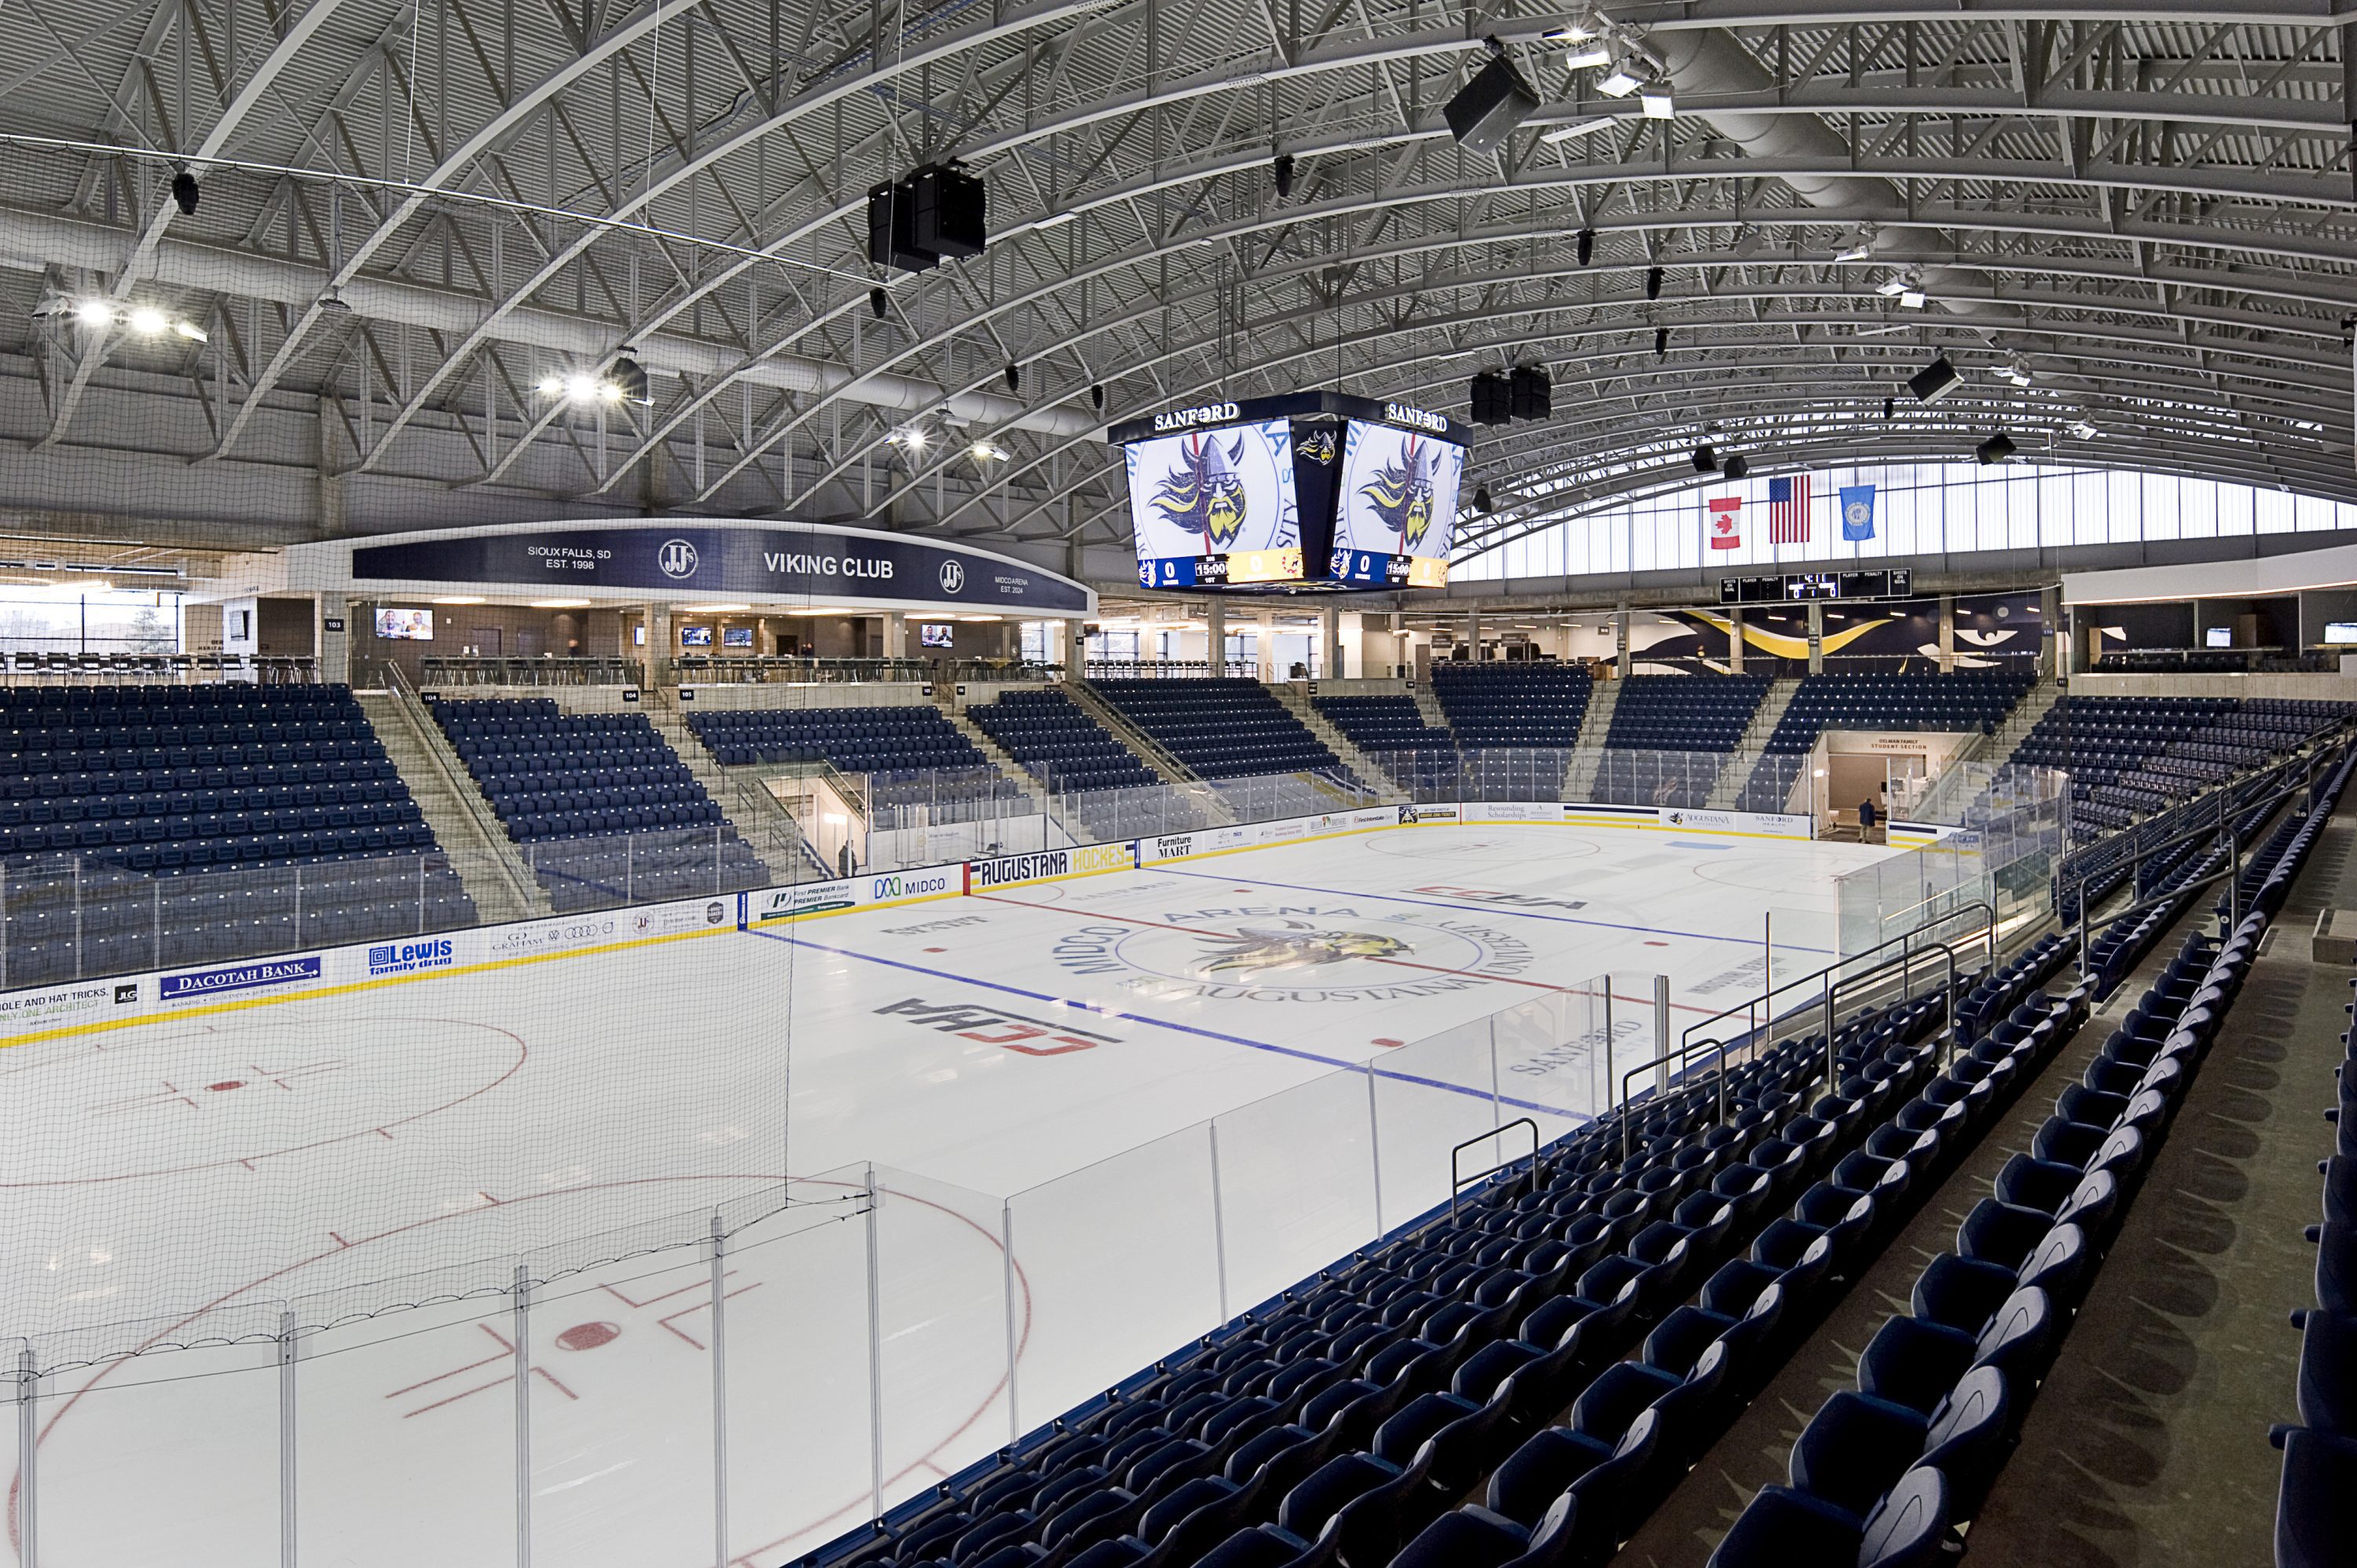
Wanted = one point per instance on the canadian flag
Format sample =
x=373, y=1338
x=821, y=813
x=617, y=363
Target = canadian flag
x=1726, y=515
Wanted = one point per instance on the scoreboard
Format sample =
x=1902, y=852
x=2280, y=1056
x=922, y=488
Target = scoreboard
x=1897, y=583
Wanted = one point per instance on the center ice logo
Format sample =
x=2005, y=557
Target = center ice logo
x=1296, y=944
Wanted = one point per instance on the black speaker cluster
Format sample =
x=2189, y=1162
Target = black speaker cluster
x=1525, y=392
x=938, y=210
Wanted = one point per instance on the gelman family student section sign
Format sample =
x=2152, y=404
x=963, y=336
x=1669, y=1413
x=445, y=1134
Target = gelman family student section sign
x=706, y=559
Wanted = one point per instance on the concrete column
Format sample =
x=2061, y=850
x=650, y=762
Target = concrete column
x=1947, y=633
x=1735, y=640
x=1474, y=636
x=659, y=649
x=1215, y=635
x=1266, y=644
x=1621, y=642
x=896, y=635
x=2050, y=627
x=1816, y=637
x=1076, y=648
x=1329, y=644
x=334, y=647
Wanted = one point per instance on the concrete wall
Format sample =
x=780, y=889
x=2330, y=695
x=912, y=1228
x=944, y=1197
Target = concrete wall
x=2320, y=688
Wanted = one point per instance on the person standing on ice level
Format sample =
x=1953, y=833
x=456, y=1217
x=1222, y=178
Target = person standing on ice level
x=1865, y=820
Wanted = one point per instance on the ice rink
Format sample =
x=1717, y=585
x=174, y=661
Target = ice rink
x=406, y=1144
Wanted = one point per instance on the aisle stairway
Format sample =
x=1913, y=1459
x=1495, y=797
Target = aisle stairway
x=1754, y=740
x=1295, y=698
x=740, y=808
x=1168, y=768
x=482, y=853
x=1588, y=751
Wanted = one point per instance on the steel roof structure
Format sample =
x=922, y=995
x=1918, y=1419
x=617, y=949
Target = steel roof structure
x=2134, y=220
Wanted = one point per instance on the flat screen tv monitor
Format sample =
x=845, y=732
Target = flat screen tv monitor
x=1395, y=506
x=405, y=625
x=1216, y=508
x=696, y=637
x=2217, y=637
x=2341, y=631
x=737, y=637
x=931, y=636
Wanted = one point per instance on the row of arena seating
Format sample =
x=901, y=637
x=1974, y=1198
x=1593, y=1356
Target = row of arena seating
x=902, y=737
x=2316, y=1509
x=604, y=808
x=1884, y=1474
x=1221, y=728
x=1060, y=743
x=171, y=779
x=1524, y=704
x=1960, y=700
x=1685, y=713
x=1339, y=1420
x=1380, y=724
x=2130, y=756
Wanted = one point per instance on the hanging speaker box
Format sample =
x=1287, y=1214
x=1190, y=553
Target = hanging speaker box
x=1486, y=110
x=892, y=228
x=952, y=215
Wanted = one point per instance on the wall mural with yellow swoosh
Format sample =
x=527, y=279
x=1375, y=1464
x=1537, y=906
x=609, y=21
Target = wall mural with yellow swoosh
x=1992, y=630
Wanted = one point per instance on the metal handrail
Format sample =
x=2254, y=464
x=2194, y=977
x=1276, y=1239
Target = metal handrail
x=1458, y=1183
x=1687, y=1046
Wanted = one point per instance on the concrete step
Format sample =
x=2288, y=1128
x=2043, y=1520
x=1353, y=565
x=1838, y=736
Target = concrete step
x=1587, y=750
x=486, y=860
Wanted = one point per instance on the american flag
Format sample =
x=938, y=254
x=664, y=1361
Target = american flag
x=1788, y=511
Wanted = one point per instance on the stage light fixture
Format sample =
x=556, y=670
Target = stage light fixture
x=1657, y=102
x=989, y=452
x=2080, y=430
x=146, y=320
x=1588, y=56
x=191, y=331
x=95, y=313
x=1621, y=80
x=1996, y=450
x=1912, y=299
x=631, y=381
x=184, y=193
x=1706, y=458
x=1891, y=288
x=1861, y=245
x=1935, y=381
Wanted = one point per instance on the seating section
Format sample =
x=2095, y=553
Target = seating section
x=1964, y=700
x=1339, y=1422
x=918, y=766
x=1885, y=1472
x=1685, y=713
x=1060, y=743
x=2316, y=1511
x=1221, y=728
x=1537, y=703
x=116, y=802
x=2129, y=757
x=605, y=810
x=1378, y=725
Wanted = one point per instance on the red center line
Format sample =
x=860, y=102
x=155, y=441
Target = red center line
x=1395, y=962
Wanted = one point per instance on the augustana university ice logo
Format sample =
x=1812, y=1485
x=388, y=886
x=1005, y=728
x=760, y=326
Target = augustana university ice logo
x=676, y=558
x=952, y=576
x=1296, y=953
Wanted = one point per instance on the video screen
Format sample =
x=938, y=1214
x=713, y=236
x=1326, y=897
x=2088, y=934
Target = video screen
x=2217, y=637
x=696, y=637
x=1395, y=509
x=931, y=636
x=2341, y=631
x=1216, y=508
x=737, y=637
x=405, y=625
